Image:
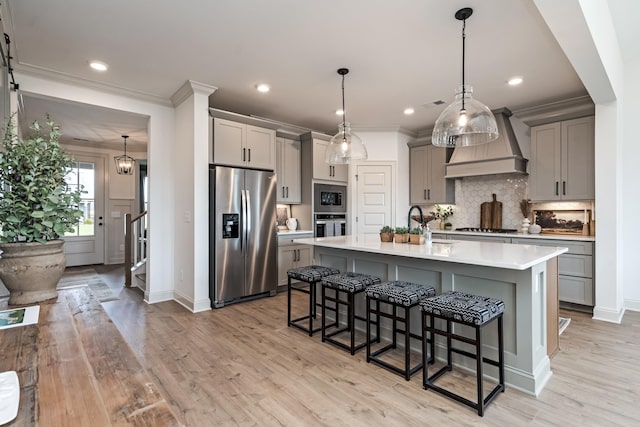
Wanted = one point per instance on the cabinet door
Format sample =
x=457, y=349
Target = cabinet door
x=418, y=175
x=286, y=257
x=577, y=290
x=578, y=159
x=545, y=177
x=437, y=184
x=323, y=170
x=305, y=255
x=292, y=172
x=281, y=196
x=228, y=142
x=260, y=148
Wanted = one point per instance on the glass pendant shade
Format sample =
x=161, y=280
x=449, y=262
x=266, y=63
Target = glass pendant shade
x=465, y=122
x=344, y=147
x=125, y=165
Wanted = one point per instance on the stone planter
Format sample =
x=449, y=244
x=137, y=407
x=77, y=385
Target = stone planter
x=31, y=271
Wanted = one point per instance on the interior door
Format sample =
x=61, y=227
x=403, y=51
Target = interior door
x=374, y=207
x=85, y=245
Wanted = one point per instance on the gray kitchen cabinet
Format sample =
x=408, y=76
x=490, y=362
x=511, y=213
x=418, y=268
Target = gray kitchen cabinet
x=288, y=170
x=427, y=170
x=239, y=144
x=563, y=160
x=575, y=269
x=292, y=255
x=323, y=170
x=482, y=238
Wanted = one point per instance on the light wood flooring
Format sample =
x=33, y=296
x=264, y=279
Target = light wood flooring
x=241, y=365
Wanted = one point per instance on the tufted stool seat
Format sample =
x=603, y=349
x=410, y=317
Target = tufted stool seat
x=349, y=284
x=470, y=310
x=401, y=296
x=310, y=275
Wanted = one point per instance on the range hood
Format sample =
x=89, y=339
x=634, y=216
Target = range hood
x=496, y=157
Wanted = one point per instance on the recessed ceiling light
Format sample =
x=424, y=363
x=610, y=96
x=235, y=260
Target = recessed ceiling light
x=515, y=81
x=408, y=111
x=98, y=65
x=263, y=87
x=339, y=112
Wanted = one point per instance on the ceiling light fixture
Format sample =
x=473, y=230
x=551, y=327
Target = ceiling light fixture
x=515, y=81
x=409, y=111
x=98, y=65
x=264, y=88
x=345, y=146
x=125, y=165
x=466, y=121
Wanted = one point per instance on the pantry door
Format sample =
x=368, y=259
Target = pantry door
x=85, y=245
x=374, y=197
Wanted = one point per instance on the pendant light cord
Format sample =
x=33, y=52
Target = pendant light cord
x=344, y=113
x=464, y=23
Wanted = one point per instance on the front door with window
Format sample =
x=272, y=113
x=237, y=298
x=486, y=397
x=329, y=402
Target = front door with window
x=85, y=245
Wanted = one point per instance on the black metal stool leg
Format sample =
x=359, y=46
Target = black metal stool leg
x=479, y=371
x=289, y=301
x=324, y=313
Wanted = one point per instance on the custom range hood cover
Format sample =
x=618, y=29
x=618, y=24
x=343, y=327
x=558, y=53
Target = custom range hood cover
x=500, y=156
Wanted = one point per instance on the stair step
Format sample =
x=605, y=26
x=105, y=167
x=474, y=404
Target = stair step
x=142, y=277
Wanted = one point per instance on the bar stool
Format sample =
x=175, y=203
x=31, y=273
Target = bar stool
x=349, y=284
x=311, y=275
x=397, y=294
x=465, y=309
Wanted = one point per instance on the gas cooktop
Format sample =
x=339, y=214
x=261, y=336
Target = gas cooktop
x=487, y=230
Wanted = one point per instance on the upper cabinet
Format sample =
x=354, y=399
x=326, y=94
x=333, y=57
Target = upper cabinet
x=427, y=170
x=239, y=144
x=288, y=170
x=563, y=160
x=323, y=170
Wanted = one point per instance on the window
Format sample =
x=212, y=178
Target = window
x=82, y=175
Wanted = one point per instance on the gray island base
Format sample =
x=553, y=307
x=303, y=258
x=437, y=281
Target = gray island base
x=516, y=274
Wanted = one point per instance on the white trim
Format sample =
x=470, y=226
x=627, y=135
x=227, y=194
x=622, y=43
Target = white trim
x=608, y=315
x=632, y=304
x=155, y=297
x=188, y=88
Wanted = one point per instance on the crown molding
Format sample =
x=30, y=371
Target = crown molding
x=188, y=88
x=566, y=109
x=46, y=73
x=396, y=129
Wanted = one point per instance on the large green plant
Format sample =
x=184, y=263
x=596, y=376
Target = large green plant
x=36, y=203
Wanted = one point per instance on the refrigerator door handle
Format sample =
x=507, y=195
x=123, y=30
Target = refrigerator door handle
x=247, y=227
x=243, y=215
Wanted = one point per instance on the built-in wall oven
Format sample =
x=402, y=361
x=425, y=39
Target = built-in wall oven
x=330, y=225
x=329, y=198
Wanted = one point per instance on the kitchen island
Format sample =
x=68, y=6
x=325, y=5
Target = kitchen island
x=516, y=274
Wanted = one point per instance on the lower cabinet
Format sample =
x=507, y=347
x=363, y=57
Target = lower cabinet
x=292, y=255
x=575, y=269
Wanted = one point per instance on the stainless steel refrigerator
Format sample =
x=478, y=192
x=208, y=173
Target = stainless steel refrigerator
x=242, y=234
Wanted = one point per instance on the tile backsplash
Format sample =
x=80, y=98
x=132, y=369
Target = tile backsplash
x=509, y=189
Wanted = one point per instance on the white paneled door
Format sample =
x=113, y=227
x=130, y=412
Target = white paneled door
x=374, y=196
x=85, y=245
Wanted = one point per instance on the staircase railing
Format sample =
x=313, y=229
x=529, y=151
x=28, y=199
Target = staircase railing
x=135, y=244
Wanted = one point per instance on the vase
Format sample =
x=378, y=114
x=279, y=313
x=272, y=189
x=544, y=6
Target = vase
x=525, y=225
x=31, y=271
x=442, y=222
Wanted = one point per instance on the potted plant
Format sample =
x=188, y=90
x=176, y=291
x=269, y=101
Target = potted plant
x=37, y=207
x=401, y=235
x=448, y=226
x=440, y=213
x=386, y=234
x=415, y=236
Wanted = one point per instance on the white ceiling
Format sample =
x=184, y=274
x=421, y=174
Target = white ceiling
x=404, y=53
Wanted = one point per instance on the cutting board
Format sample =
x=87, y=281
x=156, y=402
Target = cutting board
x=491, y=214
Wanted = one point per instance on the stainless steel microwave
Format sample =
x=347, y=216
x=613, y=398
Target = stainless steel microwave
x=330, y=198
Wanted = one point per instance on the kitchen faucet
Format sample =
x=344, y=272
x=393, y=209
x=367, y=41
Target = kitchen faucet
x=409, y=216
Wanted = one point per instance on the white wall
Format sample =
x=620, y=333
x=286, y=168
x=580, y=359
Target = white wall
x=161, y=132
x=631, y=201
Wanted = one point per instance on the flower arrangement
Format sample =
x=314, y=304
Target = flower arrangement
x=442, y=213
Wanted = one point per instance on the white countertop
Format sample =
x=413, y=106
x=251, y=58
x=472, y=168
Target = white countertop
x=293, y=233
x=487, y=254
x=521, y=235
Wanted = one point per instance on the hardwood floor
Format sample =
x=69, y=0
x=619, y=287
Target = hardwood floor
x=241, y=365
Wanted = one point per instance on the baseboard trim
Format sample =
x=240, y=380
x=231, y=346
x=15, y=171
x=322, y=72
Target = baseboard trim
x=632, y=304
x=608, y=315
x=155, y=297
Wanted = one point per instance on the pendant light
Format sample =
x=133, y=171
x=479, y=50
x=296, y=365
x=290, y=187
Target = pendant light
x=345, y=146
x=466, y=121
x=125, y=165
